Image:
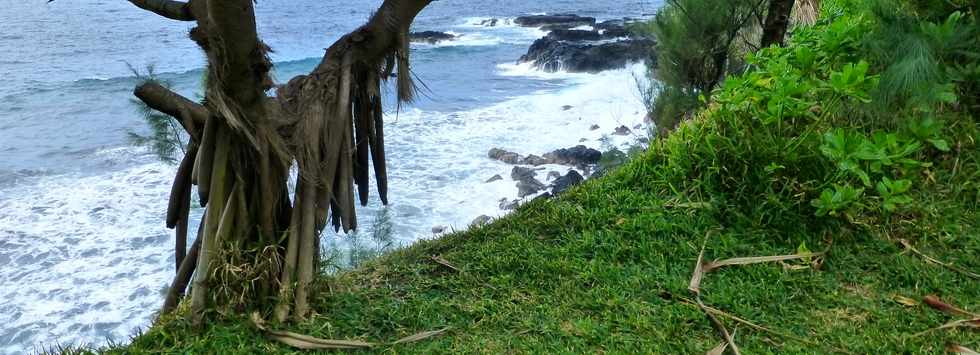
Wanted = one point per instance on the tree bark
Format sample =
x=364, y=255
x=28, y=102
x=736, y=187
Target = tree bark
x=328, y=122
x=777, y=22
x=189, y=114
x=174, y=10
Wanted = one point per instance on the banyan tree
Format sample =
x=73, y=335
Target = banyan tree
x=258, y=242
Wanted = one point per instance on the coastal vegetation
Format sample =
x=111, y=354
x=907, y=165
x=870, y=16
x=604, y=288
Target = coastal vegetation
x=845, y=160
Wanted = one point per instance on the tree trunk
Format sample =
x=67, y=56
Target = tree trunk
x=255, y=248
x=777, y=22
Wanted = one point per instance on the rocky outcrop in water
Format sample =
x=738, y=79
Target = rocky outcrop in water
x=560, y=21
x=489, y=22
x=609, y=45
x=430, y=37
x=578, y=156
x=505, y=156
x=586, y=57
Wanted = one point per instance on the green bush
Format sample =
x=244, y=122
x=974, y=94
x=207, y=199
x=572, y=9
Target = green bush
x=797, y=138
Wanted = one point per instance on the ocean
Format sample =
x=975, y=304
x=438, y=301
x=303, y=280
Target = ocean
x=84, y=254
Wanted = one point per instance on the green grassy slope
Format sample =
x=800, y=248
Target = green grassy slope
x=606, y=268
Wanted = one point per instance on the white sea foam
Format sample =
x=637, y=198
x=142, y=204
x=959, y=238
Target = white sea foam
x=504, y=28
x=470, y=39
x=455, y=145
x=487, y=22
x=85, y=257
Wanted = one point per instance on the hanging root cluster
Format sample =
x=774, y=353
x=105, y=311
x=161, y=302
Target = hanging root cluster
x=257, y=249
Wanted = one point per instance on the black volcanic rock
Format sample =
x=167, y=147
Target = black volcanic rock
x=613, y=28
x=551, y=54
x=574, y=35
x=430, y=37
x=505, y=156
x=566, y=182
x=579, y=155
x=555, y=21
x=622, y=131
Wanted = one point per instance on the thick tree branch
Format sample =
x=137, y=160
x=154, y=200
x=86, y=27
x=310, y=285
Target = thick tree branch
x=190, y=114
x=394, y=17
x=239, y=62
x=174, y=10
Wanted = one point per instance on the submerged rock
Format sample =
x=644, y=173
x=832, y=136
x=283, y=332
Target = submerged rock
x=529, y=187
x=622, y=131
x=520, y=173
x=494, y=178
x=527, y=184
x=430, y=37
x=481, y=220
x=536, y=160
x=505, y=156
x=508, y=205
x=555, y=21
x=553, y=175
x=489, y=22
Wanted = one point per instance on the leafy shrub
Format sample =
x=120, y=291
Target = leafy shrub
x=799, y=137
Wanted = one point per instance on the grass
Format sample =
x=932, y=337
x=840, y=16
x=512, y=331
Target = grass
x=605, y=268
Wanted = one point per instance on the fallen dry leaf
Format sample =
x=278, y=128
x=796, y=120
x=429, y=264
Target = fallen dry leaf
x=960, y=349
x=439, y=260
x=905, y=301
x=420, y=336
x=718, y=350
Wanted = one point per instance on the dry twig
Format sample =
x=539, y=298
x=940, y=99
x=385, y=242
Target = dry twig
x=908, y=246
